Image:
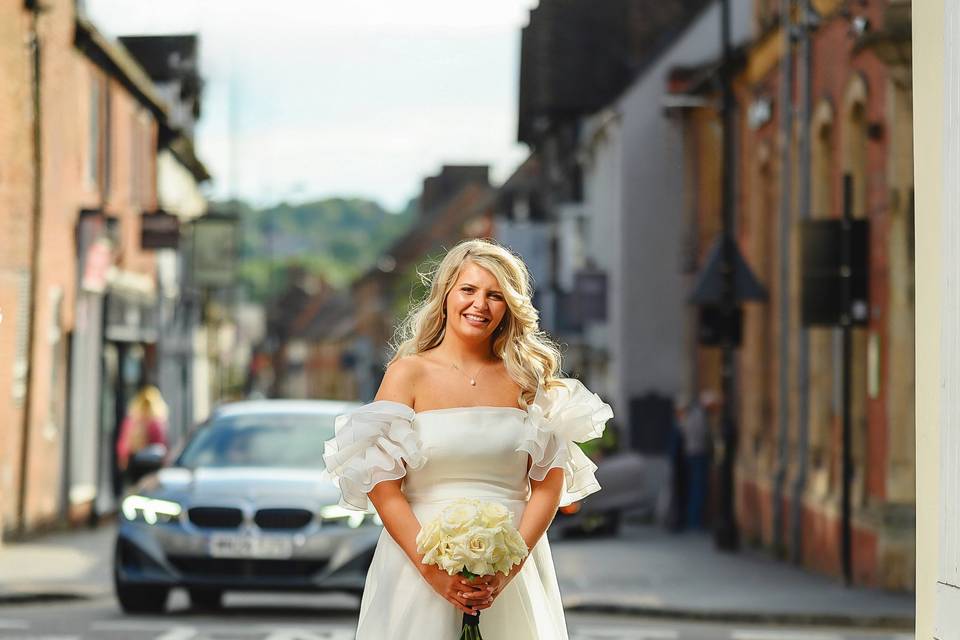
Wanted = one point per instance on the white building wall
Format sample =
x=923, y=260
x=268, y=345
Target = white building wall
x=177, y=189
x=647, y=330
x=948, y=574
x=602, y=194
x=934, y=39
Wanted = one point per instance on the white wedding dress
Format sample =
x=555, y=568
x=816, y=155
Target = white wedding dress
x=475, y=452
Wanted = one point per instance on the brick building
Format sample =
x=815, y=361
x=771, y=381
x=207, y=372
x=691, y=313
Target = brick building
x=76, y=288
x=17, y=170
x=849, y=91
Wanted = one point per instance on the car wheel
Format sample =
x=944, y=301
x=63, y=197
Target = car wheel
x=205, y=598
x=137, y=598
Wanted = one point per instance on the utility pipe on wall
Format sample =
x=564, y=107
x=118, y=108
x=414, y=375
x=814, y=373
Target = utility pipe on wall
x=785, y=222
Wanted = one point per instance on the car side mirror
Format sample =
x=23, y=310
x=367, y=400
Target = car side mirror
x=146, y=461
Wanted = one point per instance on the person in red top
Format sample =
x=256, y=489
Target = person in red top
x=144, y=424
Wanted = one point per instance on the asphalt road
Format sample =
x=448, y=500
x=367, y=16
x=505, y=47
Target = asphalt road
x=291, y=617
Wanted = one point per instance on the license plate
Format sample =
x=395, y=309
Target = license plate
x=234, y=546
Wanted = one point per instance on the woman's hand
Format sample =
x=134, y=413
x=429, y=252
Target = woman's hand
x=467, y=597
x=491, y=586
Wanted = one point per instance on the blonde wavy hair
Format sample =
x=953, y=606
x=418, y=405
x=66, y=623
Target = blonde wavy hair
x=531, y=358
x=148, y=404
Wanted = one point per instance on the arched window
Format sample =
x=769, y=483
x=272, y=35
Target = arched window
x=854, y=140
x=823, y=181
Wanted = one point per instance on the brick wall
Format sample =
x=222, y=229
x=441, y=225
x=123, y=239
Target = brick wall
x=864, y=120
x=69, y=112
x=16, y=177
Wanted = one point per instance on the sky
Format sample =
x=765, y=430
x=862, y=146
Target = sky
x=306, y=99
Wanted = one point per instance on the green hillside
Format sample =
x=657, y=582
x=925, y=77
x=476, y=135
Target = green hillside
x=336, y=238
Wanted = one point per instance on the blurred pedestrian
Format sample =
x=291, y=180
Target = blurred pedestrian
x=144, y=424
x=678, y=467
x=696, y=439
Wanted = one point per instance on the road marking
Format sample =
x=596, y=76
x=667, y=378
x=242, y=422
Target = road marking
x=301, y=634
x=581, y=632
x=123, y=625
x=14, y=624
x=206, y=632
x=179, y=633
x=43, y=638
x=773, y=634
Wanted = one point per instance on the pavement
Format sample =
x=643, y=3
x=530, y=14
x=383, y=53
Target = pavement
x=644, y=571
x=66, y=565
x=648, y=571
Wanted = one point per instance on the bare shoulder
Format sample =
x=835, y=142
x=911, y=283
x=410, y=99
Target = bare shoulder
x=400, y=380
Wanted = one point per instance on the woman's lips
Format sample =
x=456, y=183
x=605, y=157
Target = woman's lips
x=476, y=320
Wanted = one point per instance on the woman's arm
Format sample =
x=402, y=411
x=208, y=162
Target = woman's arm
x=542, y=507
x=399, y=385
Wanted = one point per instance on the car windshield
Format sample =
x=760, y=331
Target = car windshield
x=281, y=440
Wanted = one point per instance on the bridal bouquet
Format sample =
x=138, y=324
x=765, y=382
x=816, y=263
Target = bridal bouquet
x=472, y=538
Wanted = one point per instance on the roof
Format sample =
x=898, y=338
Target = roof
x=164, y=57
x=577, y=56
x=182, y=149
x=117, y=61
x=283, y=407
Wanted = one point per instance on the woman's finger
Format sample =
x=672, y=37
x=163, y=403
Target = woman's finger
x=459, y=605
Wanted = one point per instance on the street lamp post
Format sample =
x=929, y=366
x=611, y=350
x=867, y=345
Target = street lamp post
x=726, y=535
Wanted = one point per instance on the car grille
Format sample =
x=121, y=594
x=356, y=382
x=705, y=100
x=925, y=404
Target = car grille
x=283, y=518
x=216, y=517
x=191, y=566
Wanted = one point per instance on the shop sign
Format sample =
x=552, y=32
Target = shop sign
x=215, y=250
x=96, y=266
x=159, y=230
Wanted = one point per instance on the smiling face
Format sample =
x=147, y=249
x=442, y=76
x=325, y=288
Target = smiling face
x=475, y=305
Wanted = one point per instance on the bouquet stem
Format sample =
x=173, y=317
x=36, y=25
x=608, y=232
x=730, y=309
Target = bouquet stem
x=471, y=623
x=471, y=627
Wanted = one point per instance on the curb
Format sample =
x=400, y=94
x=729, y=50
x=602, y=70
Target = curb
x=27, y=597
x=894, y=623
x=39, y=593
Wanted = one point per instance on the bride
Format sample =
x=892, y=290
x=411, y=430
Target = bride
x=471, y=406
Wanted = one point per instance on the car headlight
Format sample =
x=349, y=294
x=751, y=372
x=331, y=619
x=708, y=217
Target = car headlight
x=150, y=510
x=335, y=514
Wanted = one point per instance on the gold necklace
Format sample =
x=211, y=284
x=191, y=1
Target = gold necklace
x=473, y=378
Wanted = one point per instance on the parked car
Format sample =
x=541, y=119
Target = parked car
x=242, y=507
x=625, y=491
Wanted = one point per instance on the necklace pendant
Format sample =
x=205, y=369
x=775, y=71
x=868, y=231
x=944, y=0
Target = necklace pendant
x=473, y=382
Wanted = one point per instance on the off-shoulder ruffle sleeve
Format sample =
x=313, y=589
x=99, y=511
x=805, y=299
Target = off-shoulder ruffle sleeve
x=558, y=419
x=371, y=444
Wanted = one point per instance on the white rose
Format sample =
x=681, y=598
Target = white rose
x=479, y=551
x=450, y=565
x=429, y=541
x=459, y=516
x=494, y=514
x=428, y=537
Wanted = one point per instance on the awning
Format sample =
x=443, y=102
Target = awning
x=708, y=289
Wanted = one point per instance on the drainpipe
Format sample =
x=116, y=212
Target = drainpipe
x=805, y=72
x=786, y=170
x=35, y=248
